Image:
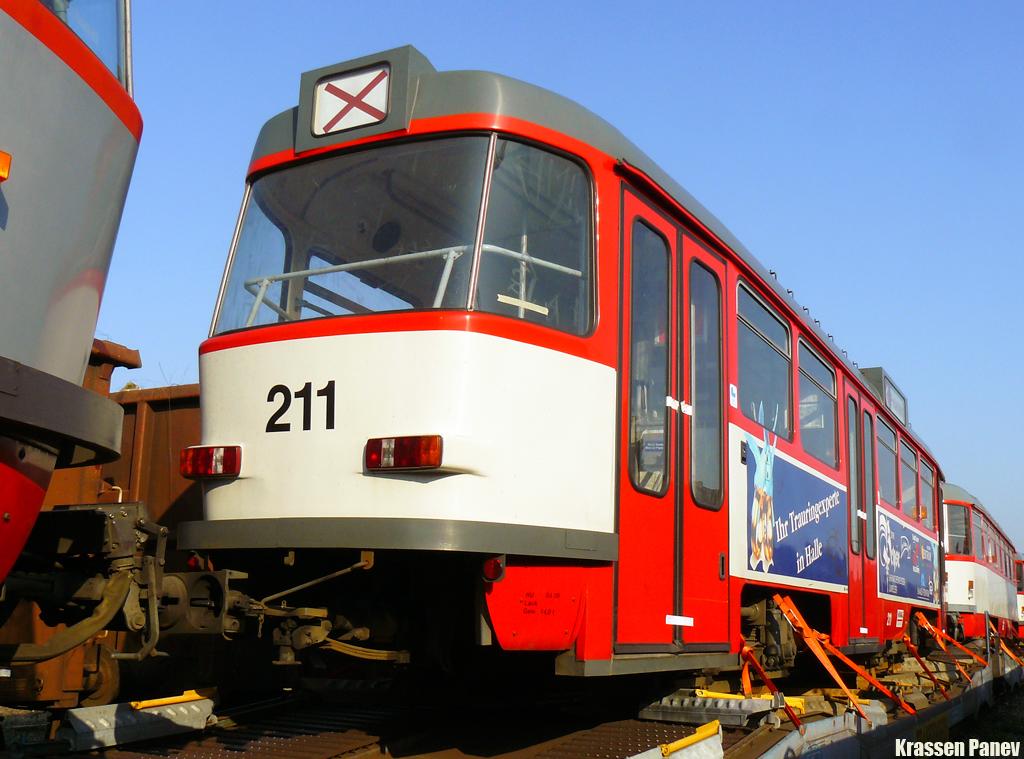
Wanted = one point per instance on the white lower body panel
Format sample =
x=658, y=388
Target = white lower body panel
x=528, y=433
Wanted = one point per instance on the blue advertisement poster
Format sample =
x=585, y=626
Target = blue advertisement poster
x=907, y=561
x=798, y=521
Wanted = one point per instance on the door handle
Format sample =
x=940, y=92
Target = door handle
x=680, y=406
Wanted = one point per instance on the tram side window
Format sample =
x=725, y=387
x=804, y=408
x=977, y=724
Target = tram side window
x=887, y=463
x=927, y=495
x=851, y=463
x=978, y=535
x=648, y=434
x=1020, y=577
x=818, y=407
x=908, y=475
x=764, y=364
x=535, y=260
x=706, y=387
x=869, y=484
x=958, y=531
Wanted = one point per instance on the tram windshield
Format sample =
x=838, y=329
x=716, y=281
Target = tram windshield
x=395, y=228
x=103, y=26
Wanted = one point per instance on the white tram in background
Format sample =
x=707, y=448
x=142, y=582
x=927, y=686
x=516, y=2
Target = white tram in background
x=981, y=573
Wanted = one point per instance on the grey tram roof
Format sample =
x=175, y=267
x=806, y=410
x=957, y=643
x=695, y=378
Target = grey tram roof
x=951, y=492
x=427, y=93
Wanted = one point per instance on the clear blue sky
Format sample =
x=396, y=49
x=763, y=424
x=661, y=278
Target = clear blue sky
x=870, y=153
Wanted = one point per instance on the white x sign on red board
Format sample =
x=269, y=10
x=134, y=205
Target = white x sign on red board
x=350, y=100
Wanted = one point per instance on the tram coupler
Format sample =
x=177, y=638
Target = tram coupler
x=291, y=636
x=101, y=567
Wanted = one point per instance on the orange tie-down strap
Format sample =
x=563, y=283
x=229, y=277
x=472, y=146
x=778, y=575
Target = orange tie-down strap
x=813, y=640
x=936, y=633
x=913, y=650
x=1002, y=644
x=827, y=643
x=747, y=654
x=1010, y=653
x=866, y=675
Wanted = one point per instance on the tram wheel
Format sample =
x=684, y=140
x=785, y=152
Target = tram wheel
x=103, y=685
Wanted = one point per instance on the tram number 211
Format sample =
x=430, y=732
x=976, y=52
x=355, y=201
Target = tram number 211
x=305, y=394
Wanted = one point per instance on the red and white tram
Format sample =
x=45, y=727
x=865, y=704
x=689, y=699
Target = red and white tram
x=467, y=325
x=980, y=573
x=69, y=133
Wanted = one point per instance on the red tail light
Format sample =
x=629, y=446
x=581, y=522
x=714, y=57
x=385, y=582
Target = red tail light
x=411, y=452
x=201, y=461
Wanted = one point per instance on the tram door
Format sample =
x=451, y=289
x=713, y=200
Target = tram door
x=645, y=580
x=672, y=587
x=860, y=457
x=702, y=617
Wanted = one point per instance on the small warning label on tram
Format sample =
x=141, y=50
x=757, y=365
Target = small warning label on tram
x=351, y=100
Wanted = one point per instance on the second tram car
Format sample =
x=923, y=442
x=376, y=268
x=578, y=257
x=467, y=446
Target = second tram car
x=980, y=572
x=468, y=326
